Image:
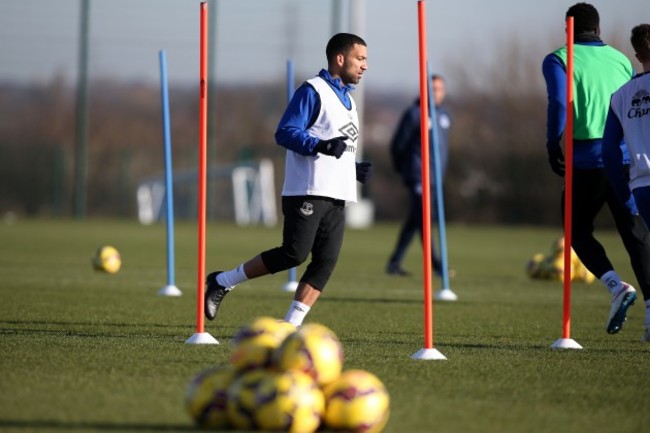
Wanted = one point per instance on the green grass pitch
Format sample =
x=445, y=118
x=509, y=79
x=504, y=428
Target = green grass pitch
x=84, y=351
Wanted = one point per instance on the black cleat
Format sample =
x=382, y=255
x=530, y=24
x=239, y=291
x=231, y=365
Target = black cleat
x=396, y=270
x=214, y=294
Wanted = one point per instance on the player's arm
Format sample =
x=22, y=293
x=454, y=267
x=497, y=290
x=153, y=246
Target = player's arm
x=555, y=77
x=613, y=160
x=298, y=117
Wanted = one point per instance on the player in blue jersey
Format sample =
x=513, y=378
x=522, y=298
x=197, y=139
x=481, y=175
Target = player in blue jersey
x=599, y=70
x=629, y=118
x=405, y=150
x=320, y=130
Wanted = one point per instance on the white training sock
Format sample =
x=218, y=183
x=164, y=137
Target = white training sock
x=612, y=281
x=296, y=314
x=230, y=279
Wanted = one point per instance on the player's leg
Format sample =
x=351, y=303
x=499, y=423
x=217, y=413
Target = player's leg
x=299, y=229
x=589, y=196
x=409, y=228
x=590, y=192
x=636, y=239
x=325, y=253
x=642, y=198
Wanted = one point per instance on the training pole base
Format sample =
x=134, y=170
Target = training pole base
x=290, y=286
x=432, y=354
x=446, y=295
x=565, y=343
x=201, y=338
x=170, y=290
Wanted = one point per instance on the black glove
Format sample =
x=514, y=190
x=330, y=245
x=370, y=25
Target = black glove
x=332, y=147
x=556, y=159
x=364, y=171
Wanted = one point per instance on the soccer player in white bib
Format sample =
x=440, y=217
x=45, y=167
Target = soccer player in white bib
x=320, y=130
x=629, y=119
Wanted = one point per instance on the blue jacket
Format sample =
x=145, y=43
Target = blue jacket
x=405, y=145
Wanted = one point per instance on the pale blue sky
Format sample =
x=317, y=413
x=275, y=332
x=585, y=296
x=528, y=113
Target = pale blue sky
x=38, y=38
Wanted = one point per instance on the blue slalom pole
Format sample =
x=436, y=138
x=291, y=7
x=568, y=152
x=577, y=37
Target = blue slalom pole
x=291, y=284
x=170, y=289
x=446, y=293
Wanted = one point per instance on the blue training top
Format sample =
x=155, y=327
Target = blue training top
x=406, y=149
x=302, y=111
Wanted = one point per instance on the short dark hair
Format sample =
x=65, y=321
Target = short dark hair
x=640, y=40
x=585, y=17
x=341, y=43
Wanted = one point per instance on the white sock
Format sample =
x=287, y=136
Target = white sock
x=612, y=281
x=229, y=279
x=297, y=312
x=647, y=312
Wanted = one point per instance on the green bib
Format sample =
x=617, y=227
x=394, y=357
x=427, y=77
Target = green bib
x=598, y=71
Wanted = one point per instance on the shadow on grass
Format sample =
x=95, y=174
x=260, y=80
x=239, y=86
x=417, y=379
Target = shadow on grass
x=95, y=329
x=461, y=304
x=108, y=324
x=370, y=300
x=93, y=426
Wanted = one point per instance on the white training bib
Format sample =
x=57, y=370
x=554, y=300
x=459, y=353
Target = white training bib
x=631, y=103
x=324, y=175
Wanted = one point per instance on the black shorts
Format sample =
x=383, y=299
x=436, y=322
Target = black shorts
x=311, y=224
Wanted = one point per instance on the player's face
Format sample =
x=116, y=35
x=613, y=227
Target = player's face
x=355, y=63
x=438, y=91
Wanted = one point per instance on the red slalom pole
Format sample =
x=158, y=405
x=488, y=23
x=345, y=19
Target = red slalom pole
x=428, y=352
x=566, y=342
x=568, y=177
x=203, y=139
x=202, y=337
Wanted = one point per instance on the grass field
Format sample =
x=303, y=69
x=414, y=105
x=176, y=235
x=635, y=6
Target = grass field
x=85, y=351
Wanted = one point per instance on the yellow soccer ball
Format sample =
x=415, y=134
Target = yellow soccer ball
x=107, y=259
x=557, y=272
x=357, y=401
x=242, y=399
x=534, y=266
x=290, y=401
x=583, y=274
x=254, y=343
x=313, y=349
x=206, y=397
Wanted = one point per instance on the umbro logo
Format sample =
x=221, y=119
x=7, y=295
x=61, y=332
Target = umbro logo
x=350, y=131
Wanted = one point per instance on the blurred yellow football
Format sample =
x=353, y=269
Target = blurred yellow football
x=255, y=342
x=313, y=349
x=206, y=397
x=357, y=401
x=107, y=259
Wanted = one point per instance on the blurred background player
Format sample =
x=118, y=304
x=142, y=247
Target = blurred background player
x=599, y=70
x=320, y=130
x=405, y=150
x=629, y=118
